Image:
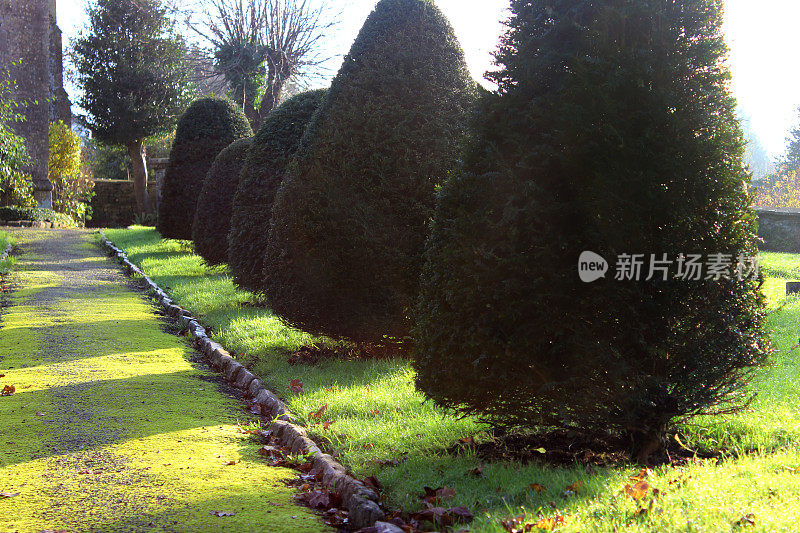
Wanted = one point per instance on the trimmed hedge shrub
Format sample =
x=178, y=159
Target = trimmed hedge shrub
x=36, y=214
x=273, y=147
x=350, y=218
x=593, y=145
x=212, y=220
x=208, y=126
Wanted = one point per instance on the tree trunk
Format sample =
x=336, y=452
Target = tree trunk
x=136, y=153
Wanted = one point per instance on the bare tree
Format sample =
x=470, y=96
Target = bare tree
x=260, y=44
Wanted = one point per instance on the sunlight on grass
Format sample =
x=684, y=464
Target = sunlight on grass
x=376, y=416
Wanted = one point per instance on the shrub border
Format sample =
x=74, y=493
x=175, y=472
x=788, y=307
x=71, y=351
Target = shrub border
x=361, y=501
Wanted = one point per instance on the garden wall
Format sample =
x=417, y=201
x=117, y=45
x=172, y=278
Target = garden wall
x=780, y=229
x=114, y=205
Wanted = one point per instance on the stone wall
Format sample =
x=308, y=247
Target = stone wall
x=780, y=229
x=114, y=205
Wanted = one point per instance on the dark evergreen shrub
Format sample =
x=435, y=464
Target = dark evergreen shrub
x=273, y=147
x=350, y=218
x=207, y=127
x=212, y=220
x=612, y=131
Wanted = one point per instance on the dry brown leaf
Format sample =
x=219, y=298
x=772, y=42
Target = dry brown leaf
x=318, y=414
x=326, y=425
x=637, y=491
x=576, y=487
x=535, y=487
x=296, y=386
x=8, y=390
x=550, y=524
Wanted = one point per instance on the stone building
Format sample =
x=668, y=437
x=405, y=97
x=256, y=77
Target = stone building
x=30, y=48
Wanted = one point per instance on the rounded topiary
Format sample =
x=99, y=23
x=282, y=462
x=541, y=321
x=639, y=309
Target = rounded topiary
x=273, y=147
x=212, y=220
x=612, y=132
x=207, y=127
x=350, y=218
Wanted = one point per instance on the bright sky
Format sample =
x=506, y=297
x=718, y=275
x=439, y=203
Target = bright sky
x=762, y=37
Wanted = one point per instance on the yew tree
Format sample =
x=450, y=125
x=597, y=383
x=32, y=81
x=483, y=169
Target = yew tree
x=612, y=131
x=350, y=218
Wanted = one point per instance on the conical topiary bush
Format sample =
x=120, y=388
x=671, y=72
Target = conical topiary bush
x=350, y=218
x=207, y=127
x=212, y=220
x=273, y=147
x=612, y=132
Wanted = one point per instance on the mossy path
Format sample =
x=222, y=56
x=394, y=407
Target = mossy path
x=113, y=427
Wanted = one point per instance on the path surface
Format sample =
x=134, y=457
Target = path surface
x=112, y=426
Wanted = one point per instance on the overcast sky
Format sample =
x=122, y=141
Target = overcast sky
x=762, y=37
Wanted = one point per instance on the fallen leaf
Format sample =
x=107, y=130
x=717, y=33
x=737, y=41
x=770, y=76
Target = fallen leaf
x=373, y=483
x=374, y=412
x=535, y=487
x=270, y=451
x=9, y=494
x=326, y=425
x=230, y=463
x=222, y=513
x=643, y=474
x=576, y=487
x=317, y=415
x=747, y=520
x=439, y=494
x=477, y=471
x=638, y=491
x=296, y=386
x=315, y=499
x=550, y=524
x=8, y=390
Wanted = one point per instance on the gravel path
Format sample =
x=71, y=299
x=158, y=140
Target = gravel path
x=113, y=425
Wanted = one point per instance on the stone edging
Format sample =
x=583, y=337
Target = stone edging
x=360, y=500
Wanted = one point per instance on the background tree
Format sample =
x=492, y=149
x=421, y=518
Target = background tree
x=72, y=189
x=16, y=189
x=260, y=44
x=612, y=131
x=350, y=218
x=791, y=161
x=130, y=65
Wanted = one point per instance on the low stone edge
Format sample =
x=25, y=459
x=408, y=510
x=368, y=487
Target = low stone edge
x=361, y=501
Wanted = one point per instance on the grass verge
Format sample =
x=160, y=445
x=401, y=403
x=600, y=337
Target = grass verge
x=7, y=263
x=381, y=426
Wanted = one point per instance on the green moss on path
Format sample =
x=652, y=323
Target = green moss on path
x=112, y=426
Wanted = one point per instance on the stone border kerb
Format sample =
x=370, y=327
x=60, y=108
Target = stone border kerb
x=360, y=500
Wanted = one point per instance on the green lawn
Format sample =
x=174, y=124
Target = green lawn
x=7, y=263
x=377, y=417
